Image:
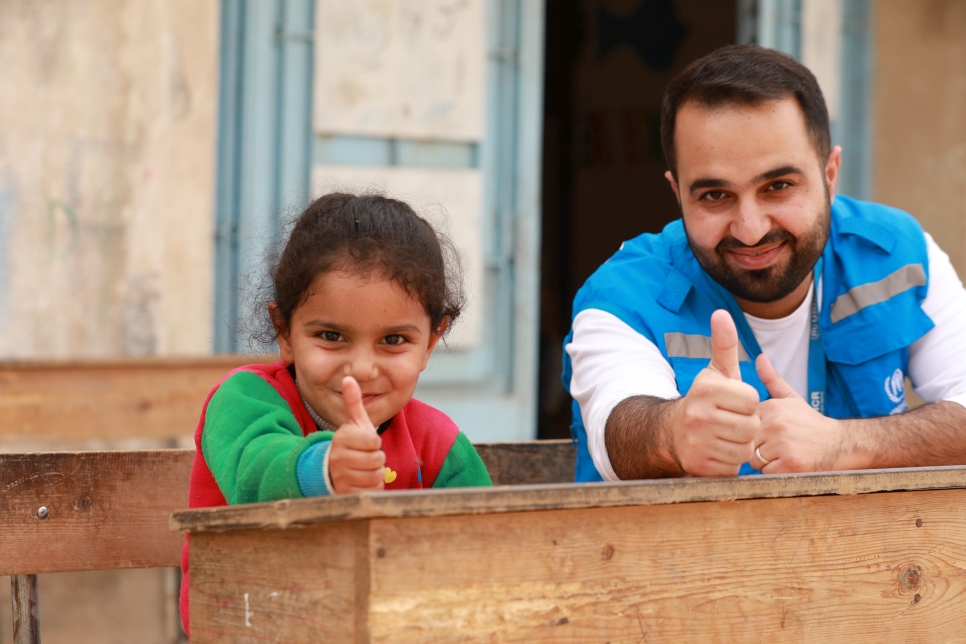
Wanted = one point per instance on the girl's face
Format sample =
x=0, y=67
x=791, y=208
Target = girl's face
x=362, y=326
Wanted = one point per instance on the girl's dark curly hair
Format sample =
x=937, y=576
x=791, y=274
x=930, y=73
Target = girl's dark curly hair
x=367, y=234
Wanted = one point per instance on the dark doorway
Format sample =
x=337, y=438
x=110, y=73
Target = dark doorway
x=607, y=64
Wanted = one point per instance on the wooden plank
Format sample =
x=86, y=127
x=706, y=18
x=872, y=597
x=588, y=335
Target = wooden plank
x=794, y=569
x=26, y=609
x=107, y=400
x=529, y=462
x=105, y=510
x=249, y=582
x=281, y=514
x=869, y=567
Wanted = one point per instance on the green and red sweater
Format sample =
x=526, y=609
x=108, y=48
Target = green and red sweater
x=256, y=441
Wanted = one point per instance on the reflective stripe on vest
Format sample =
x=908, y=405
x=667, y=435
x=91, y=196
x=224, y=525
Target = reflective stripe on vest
x=859, y=297
x=684, y=345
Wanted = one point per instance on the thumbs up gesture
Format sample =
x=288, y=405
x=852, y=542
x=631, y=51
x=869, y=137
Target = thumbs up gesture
x=793, y=437
x=356, y=460
x=713, y=428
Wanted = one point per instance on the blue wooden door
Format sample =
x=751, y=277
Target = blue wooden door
x=812, y=30
x=270, y=148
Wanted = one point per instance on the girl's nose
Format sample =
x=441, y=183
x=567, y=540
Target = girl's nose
x=751, y=223
x=361, y=366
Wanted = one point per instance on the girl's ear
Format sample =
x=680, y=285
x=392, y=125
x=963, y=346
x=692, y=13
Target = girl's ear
x=434, y=337
x=282, y=335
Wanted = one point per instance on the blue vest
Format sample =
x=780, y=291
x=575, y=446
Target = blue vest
x=875, y=276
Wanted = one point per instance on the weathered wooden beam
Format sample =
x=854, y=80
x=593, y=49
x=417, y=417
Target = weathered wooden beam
x=105, y=510
x=859, y=567
x=525, y=498
x=73, y=511
x=107, y=399
x=26, y=609
x=529, y=462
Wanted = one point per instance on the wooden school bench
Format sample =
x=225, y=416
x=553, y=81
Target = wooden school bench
x=862, y=556
x=77, y=511
x=48, y=403
x=120, y=403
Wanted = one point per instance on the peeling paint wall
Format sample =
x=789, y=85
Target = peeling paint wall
x=919, y=120
x=107, y=155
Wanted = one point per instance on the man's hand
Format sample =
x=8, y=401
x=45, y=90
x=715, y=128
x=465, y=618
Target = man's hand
x=356, y=460
x=793, y=437
x=714, y=426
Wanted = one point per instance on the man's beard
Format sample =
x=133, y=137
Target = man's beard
x=776, y=281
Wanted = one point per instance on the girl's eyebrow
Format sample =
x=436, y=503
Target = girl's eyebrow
x=322, y=324
x=312, y=325
x=411, y=328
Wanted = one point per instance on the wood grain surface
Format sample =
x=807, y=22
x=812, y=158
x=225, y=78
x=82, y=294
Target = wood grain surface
x=843, y=568
x=282, y=514
x=108, y=399
x=283, y=585
x=529, y=462
x=106, y=510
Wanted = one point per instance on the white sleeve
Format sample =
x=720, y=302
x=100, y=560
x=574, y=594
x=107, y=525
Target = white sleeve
x=937, y=360
x=612, y=362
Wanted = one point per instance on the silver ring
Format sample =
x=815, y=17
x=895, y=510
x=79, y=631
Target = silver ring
x=760, y=457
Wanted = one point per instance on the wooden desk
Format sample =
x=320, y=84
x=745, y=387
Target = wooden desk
x=864, y=556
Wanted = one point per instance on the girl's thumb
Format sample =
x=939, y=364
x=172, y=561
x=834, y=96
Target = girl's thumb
x=355, y=411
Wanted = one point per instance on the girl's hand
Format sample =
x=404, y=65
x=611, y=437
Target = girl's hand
x=356, y=460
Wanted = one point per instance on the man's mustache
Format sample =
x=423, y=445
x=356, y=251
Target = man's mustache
x=773, y=237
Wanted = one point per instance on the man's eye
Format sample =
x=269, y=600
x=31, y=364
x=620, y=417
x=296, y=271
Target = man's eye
x=779, y=185
x=330, y=336
x=713, y=196
x=394, y=340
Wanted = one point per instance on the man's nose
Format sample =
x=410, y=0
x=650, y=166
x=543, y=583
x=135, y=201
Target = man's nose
x=751, y=222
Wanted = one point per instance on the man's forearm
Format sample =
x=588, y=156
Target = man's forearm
x=637, y=437
x=932, y=435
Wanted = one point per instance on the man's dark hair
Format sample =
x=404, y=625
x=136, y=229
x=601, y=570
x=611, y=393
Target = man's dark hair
x=745, y=75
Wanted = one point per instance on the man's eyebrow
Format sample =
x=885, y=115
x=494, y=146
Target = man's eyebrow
x=777, y=172
x=708, y=182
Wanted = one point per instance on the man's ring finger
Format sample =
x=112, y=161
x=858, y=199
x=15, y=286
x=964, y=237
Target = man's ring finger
x=760, y=457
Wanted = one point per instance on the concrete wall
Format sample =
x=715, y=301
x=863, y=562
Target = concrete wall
x=919, y=119
x=107, y=153
x=107, y=171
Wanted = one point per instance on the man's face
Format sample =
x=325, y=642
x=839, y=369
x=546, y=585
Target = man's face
x=755, y=198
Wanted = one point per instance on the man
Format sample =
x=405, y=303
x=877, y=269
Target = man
x=771, y=328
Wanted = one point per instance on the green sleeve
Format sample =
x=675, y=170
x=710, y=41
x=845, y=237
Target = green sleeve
x=463, y=467
x=252, y=442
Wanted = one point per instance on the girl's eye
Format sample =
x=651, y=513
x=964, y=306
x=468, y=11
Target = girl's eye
x=330, y=336
x=394, y=340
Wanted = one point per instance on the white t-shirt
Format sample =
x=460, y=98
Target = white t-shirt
x=612, y=362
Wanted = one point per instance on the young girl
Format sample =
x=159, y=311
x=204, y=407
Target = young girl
x=361, y=296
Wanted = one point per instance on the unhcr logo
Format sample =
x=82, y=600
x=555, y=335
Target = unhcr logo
x=895, y=388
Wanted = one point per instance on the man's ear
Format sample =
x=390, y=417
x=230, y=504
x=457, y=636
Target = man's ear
x=434, y=337
x=674, y=185
x=832, y=166
x=282, y=334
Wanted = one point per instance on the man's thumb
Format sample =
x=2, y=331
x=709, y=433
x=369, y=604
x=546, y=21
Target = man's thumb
x=774, y=383
x=724, y=345
x=355, y=410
